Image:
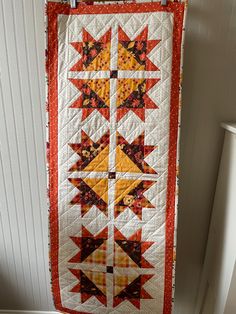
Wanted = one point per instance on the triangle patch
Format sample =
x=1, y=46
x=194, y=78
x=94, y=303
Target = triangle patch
x=121, y=259
x=100, y=162
x=123, y=187
x=99, y=186
x=124, y=163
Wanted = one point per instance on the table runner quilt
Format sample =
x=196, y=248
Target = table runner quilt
x=113, y=73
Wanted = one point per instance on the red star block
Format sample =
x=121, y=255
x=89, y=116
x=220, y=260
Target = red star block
x=136, y=98
x=91, y=49
x=136, y=151
x=87, y=244
x=134, y=247
x=92, y=193
x=88, y=150
x=136, y=50
x=95, y=95
x=88, y=287
x=133, y=292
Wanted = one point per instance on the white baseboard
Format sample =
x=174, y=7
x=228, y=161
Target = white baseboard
x=26, y=312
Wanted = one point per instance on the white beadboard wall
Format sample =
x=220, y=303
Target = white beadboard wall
x=209, y=97
x=24, y=274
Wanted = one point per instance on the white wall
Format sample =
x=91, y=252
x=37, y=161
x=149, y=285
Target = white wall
x=220, y=257
x=209, y=97
x=24, y=274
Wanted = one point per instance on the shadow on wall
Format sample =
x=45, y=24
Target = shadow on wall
x=209, y=95
x=10, y=296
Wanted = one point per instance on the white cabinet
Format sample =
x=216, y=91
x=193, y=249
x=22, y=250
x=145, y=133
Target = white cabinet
x=217, y=277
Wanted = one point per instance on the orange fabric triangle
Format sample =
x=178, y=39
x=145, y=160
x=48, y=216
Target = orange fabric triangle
x=122, y=259
x=123, y=187
x=102, y=61
x=99, y=186
x=121, y=282
x=102, y=88
x=126, y=61
x=124, y=163
x=98, y=256
x=98, y=278
x=100, y=162
x=125, y=88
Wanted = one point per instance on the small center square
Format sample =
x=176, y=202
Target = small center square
x=111, y=175
x=113, y=74
x=110, y=269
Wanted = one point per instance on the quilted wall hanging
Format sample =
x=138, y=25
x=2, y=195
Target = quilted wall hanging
x=113, y=73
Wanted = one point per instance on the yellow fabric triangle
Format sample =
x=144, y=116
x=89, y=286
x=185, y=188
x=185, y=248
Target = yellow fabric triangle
x=100, y=162
x=98, y=278
x=102, y=88
x=99, y=186
x=102, y=61
x=124, y=163
x=98, y=256
x=125, y=88
x=127, y=61
x=121, y=282
x=122, y=259
x=123, y=187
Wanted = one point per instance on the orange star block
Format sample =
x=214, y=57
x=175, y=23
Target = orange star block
x=92, y=192
x=133, y=54
x=95, y=54
x=92, y=248
x=130, y=157
x=133, y=247
x=93, y=155
x=133, y=291
x=95, y=95
x=91, y=284
x=130, y=193
x=132, y=96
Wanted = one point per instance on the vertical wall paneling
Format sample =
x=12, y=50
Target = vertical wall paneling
x=22, y=130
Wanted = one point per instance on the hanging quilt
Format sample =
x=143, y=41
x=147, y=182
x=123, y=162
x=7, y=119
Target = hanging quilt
x=113, y=74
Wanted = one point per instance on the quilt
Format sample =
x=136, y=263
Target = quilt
x=114, y=81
